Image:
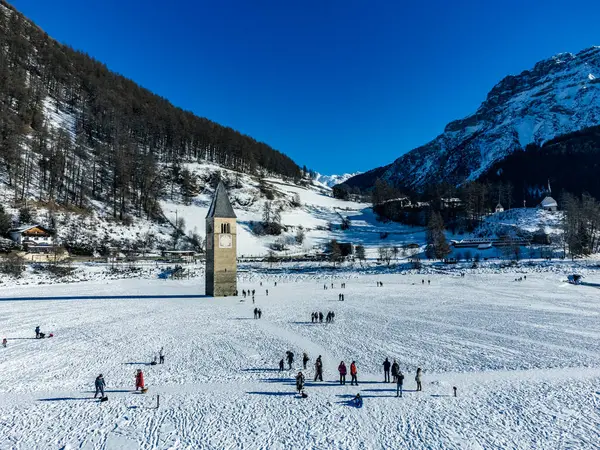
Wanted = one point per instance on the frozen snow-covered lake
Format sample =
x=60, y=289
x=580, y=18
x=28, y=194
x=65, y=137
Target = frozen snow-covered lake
x=525, y=357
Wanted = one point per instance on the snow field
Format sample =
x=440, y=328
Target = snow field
x=524, y=357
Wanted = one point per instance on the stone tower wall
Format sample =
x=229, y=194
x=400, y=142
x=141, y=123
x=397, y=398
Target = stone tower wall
x=221, y=263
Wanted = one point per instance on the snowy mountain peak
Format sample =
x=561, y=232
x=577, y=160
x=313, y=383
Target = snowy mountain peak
x=332, y=180
x=559, y=95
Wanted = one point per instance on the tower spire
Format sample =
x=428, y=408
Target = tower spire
x=221, y=206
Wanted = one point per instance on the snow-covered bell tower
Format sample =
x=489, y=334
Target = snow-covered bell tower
x=221, y=246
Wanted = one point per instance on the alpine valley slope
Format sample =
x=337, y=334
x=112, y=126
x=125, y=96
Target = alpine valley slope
x=559, y=95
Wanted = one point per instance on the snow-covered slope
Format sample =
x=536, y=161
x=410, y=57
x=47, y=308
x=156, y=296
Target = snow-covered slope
x=524, y=358
x=558, y=95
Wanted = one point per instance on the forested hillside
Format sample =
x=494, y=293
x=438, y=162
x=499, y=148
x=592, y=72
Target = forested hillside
x=116, y=142
x=571, y=163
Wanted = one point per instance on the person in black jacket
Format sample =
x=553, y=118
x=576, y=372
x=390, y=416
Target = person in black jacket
x=319, y=369
x=399, y=382
x=305, y=359
x=99, y=385
x=386, y=370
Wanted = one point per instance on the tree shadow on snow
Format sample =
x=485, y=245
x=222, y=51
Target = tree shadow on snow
x=282, y=380
x=260, y=370
x=137, y=364
x=113, y=391
x=388, y=390
x=243, y=318
x=441, y=395
x=60, y=399
x=350, y=397
x=278, y=394
x=305, y=323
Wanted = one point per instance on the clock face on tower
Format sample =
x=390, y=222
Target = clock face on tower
x=225, y=241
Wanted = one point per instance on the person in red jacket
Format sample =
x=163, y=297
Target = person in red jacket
x=353, y=373
x=342, y=370
x=139, y=380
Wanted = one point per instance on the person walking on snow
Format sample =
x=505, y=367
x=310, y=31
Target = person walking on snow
x=418, y=380
x=37, y=332
x=299, y=382
x=139, y=380
x=161, y=355
x=290, y=359
x=386, y=371
x=305, y=359
x=342, y=370
x=4, y=342
x=395, y=369
x=259, y=312
x=100, y=385
x=321, y=317
x=267, y=292
x=399, y=382
x=319, y=369
x=281, y=365
x=255, y=313
x=353, y=373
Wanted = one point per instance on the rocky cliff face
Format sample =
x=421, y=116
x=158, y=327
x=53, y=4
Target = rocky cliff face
x=558, y=96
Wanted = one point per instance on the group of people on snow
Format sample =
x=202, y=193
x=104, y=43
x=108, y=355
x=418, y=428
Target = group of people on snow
x=257, y=313
x=341, y=297
x=379, y=284
x=398, y=376
x=100, y=383
x=353, y=373
x=317, y=317
x=389, y=368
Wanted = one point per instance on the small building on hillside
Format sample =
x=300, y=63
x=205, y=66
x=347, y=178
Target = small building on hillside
x=499, y=208
x=34, y=238
x=549, y=204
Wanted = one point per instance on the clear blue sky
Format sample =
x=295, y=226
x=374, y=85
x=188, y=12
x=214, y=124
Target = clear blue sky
x=337, y=85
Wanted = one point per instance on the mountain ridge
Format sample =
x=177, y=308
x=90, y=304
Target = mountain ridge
x=559, y=95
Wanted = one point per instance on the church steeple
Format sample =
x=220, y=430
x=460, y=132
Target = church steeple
x=221, y=246
x=221, y=206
